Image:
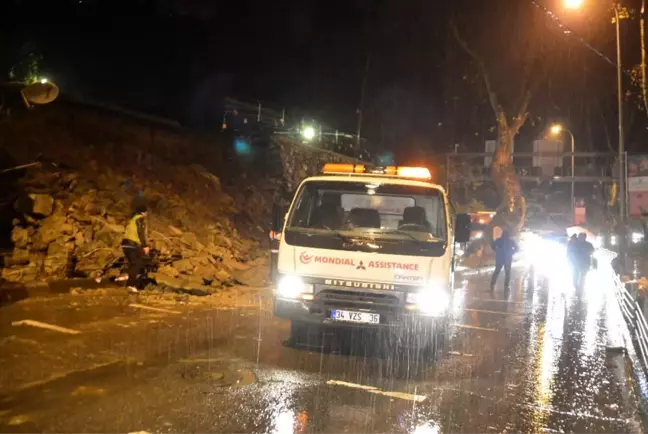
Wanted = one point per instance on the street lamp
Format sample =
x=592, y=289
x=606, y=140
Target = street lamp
x=623, y=210
x=556, y=129
x=308, y=133
x=573, y=4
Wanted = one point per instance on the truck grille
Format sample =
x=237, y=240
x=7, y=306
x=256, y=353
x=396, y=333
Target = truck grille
x=357, y=299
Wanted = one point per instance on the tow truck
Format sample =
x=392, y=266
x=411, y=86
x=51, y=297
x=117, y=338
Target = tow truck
x=368, y=247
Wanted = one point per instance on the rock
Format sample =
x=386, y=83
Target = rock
x=43, y=204
x=184, y=266
x=224, y=277
x=79, y=239
x=20, y=237
x=52, y=228
x=115, y=228
x=109, y=238
x=20, y=257
x=190, y=239
x=168, y=270
x=22, y=274
x=175, y=231
x=57, y=259
x=95, y=261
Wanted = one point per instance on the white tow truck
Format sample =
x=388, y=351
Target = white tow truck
x=368, y=247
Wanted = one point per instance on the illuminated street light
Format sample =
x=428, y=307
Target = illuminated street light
x=308, y=133
x=556, y=129
x=573, y=4
x=623, y=207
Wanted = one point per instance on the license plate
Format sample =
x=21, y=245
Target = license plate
x=358, y=317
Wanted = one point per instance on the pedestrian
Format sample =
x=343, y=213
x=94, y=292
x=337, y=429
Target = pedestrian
x=582, y=259
x=504, y=248
x=572, y=247
x=135, y=247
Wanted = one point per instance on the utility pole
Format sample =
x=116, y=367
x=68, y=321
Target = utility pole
x=623, y=210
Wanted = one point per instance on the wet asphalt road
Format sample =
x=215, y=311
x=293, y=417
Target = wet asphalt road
x=533, y=360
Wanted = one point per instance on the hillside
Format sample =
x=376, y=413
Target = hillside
x=65, y=215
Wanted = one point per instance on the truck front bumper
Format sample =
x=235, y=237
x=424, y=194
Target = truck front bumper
x=317, y=313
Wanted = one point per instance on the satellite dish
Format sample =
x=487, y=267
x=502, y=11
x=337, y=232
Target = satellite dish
x=41, y=92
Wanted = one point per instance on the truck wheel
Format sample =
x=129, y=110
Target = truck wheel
x=413, y=355
x=304, y=334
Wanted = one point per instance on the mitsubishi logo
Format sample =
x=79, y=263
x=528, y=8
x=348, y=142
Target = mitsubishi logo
x=361, y=266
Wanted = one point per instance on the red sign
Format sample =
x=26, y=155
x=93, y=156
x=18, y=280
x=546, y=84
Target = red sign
x=638, y=184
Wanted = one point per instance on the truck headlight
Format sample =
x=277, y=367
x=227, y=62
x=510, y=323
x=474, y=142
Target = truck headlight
x=431, y=300
x=293, y=287
x=637, y=237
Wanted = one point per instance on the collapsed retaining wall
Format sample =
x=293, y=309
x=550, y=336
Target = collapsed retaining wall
x=210, y=209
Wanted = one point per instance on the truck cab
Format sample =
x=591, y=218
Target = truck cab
x=368, y=247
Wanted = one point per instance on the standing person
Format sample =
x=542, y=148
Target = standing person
x=572, y=248
x=582, y=259
x=135, y=246
x=504, y=248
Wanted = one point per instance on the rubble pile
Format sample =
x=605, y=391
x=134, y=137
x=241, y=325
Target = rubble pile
x=70, y=222
x=72, y=207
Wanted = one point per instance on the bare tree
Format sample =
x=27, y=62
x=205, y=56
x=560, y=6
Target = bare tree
x=512, y=64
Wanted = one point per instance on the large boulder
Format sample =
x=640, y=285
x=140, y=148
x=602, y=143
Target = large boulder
x=57, y=259
x=42, y=204
x=19, y=257
x=20, y=236
x=52, y=228
x=185, y=266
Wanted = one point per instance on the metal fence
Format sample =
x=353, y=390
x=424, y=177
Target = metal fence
x=633, y=314
x=260, y=119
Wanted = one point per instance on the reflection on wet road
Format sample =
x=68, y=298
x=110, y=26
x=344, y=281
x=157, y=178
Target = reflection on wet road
x=533, y=360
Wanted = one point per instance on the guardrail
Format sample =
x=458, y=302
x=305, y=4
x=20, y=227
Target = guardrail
x=633, y=329
x=633, y=314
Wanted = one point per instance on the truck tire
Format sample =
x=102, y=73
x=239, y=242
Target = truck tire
x=412, y=357
x=304, y=334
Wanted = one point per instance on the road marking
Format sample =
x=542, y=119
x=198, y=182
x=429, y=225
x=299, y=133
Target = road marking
x=496, y=312
x=154, y=309
x=42, y=325
x=466, y=326
x=377, y=391
x=352, y=385
x=400, y=395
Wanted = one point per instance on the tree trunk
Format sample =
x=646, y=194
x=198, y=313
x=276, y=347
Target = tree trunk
x=512, y=208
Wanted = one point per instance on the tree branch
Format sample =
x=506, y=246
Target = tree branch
x=523, y=111
x=500, y=114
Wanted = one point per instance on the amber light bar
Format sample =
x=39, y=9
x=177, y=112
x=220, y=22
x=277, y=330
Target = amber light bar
x=343, y=168
x=400, y=171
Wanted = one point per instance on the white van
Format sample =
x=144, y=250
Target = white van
x=368, y=247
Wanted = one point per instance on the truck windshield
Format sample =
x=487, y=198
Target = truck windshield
x=362, y=210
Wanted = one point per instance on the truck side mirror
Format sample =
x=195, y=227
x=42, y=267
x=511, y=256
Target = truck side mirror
x=462, y=228
x=278, y=214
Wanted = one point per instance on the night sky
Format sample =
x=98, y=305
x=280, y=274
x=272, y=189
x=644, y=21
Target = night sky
x=180, y=58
